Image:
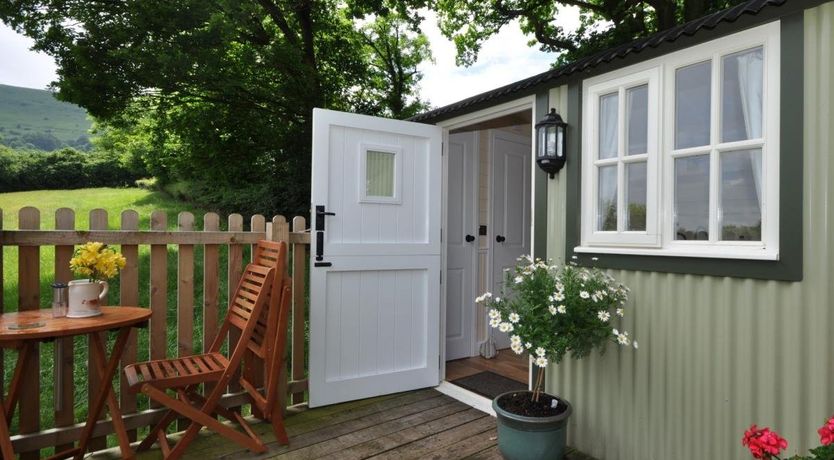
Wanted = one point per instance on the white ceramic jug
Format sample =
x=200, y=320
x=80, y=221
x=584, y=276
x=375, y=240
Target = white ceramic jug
x=85, y=297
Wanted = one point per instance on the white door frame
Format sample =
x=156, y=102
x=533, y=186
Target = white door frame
x=496, y=111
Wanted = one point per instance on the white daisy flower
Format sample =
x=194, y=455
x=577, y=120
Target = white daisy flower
x=517, y=348
x=622, y=338
x=562, y=309
x=541, y=361
x=620, y=312
x=497, y=299
x=528, y=345
x=550, y=298
x=505, y=327
x=594, y=297
x=493, y=313
x=584, y=294
x=495, y=322
x=634, y=344
x=552, y=309
x=540, y=351
x=603, y=316
x=560, y=287
x=514, y=317
x=515, y=339
x=518, y=279
x=483, y=297
x=615, y=331
x=560, y=296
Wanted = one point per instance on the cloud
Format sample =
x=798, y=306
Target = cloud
x=19, y=65
x=503, y=59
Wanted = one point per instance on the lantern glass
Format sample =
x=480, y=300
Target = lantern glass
x=542, y=147
x=551, y=141
x=560, y=141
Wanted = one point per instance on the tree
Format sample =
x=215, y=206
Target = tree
x=603, y=23
x=230, y=84
x=395, y=50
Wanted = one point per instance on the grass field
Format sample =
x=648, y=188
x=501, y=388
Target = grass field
x=114, y=201
x=25, y=110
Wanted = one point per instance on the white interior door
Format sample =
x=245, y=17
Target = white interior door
x=460, y=245
x=375, y=262
x=510, y=217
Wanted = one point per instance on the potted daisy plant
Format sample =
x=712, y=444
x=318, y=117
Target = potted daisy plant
x=550, y=311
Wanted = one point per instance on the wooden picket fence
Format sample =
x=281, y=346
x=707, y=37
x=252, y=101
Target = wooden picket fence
x=29, y=239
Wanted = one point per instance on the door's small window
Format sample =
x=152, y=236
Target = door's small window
x=379, y=174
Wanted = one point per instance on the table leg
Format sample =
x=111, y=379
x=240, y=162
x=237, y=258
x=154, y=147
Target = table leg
x=10, y=402
x=106, y=387
x=112, y=405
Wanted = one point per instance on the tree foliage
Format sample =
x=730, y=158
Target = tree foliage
x=603, y=23
x=223, y=91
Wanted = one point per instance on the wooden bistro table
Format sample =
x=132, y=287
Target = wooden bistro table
x=21, y=330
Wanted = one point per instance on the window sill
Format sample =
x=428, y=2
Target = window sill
x=711, y=252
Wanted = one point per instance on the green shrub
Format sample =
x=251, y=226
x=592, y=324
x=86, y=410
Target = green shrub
x=63, y=169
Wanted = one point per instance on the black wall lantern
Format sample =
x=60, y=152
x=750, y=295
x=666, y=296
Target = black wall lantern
x=552, y=143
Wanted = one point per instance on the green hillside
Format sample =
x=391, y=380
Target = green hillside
x=33, y=118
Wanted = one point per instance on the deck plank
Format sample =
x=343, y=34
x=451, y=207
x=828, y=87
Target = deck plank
x=426, y=446
x=332, y=427
x=405, y=436
x=466, y=447
x=339, y=444
x=491, y=453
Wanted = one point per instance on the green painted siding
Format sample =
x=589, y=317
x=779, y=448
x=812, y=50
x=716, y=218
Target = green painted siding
x=718, y=353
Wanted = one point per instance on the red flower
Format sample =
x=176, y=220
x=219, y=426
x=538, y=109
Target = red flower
x=763, y=443
x=827, y=432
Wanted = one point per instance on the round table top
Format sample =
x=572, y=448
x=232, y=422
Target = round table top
x=39, y=324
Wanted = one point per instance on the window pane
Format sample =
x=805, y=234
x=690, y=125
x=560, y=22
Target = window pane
x=637, y=120
x=608, y=125
x=379, y=174
x=741, y=195
x=741, y=95
x=692, y=104
x=607, y=205
x=636, y=196
x=692, y=198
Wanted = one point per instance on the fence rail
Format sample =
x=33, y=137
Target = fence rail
x=136, y=244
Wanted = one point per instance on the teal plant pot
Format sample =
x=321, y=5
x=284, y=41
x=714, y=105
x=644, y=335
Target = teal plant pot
x=531, y=438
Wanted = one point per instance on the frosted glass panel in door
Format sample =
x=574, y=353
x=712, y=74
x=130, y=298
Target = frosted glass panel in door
x=379, y=174
x=741, y=95
x=692, y=105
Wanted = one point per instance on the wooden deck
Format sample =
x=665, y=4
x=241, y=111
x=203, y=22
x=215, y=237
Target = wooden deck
x=421, y=424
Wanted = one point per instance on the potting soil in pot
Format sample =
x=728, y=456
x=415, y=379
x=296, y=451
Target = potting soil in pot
x=521, y=403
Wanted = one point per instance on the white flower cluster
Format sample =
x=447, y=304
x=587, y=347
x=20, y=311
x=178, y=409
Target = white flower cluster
x=622, y=338
x=483, y=297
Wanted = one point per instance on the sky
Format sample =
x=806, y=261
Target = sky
x=503, y=59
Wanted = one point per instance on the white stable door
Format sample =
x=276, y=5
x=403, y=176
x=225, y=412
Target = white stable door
x=461, y=246
x=510, y=220
x=375, y=257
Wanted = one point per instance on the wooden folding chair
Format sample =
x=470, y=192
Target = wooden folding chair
x=254, y=303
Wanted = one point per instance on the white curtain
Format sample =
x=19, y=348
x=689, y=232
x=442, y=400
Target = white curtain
x=608, y=126
x=750, y=80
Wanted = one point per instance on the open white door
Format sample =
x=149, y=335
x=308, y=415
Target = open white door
x=375, y=268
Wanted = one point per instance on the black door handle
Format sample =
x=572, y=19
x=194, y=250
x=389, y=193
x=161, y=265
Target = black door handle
x=499, y=238
x=470, y=238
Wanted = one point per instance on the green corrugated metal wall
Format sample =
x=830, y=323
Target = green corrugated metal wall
x=717, y=354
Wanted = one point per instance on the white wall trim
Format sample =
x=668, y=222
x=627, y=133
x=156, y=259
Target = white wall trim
x=465, y=396
x=496, y=111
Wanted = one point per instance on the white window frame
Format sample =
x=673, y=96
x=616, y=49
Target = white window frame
x=590, y=158
x=768, y=37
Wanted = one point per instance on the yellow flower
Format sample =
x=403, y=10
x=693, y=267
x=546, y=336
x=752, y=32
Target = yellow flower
x=97, y=261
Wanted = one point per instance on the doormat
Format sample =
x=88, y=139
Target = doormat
x=489, y=384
